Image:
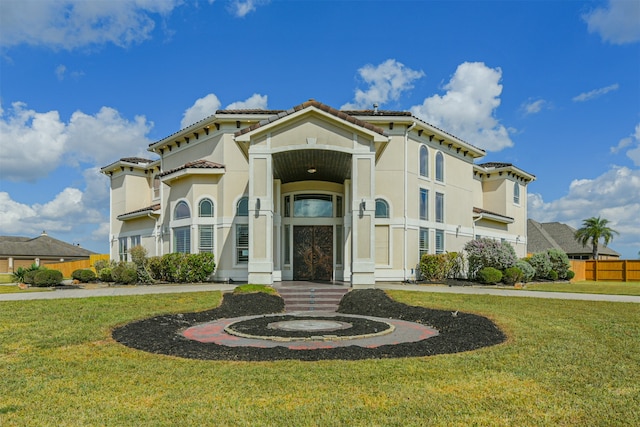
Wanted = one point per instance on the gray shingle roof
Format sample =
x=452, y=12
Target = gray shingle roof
x=556, y=235
x=42, y=246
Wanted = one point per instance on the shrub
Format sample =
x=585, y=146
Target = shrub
x=528, y=272
x=199, y=267
x=559, y=262
x=29, y=276
x=105, y=274
x=570, y=275
x=18, y=275
x=139, y=258
x=155, y=266
x=83, y=275
x=485, y=252
x=440, y=266
x=125, y=273
x=553, y=275
x=45, y=278
x=179, y=267
x=489, y=275
x=103, y=263
x=541, y=264
x=512, y=275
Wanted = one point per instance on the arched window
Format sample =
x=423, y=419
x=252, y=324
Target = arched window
x=242, y=208
x=382, y=209
x=181, y=211
x=205, y=208
x=516, y=193
x=424, y=161
x=439, y=167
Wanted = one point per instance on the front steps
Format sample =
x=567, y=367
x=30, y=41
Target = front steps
x=307, y=296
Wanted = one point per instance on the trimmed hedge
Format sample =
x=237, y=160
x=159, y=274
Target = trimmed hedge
x=83, y=275
x=512, y=275
x=44, y=278
x=489, y=275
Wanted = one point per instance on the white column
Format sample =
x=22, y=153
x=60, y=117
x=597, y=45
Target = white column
x=363, y=211
x=260, y=218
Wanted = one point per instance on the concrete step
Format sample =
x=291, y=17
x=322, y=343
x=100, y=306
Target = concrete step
x=312, y=298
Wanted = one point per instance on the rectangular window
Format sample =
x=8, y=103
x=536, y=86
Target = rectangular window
x=339, y=212
x=287, y=206
x=156, y=187
x=313, y=206
x=339, y=244
x=182, y=240
x=424, y=204
x=439, y=241
x=122, y=248
x=205, y=239
x=287, y=244
x=424, y=241
x=242, y=243
x=135, y=241
x=439, y=207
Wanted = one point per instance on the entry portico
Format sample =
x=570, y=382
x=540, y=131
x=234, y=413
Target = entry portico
x=316, y=162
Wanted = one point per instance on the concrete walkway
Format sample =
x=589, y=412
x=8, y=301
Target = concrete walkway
x=168, y=289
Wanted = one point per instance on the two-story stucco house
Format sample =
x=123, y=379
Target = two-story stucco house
x=314, y=193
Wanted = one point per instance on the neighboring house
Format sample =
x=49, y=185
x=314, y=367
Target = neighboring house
x=314, y=193
x=18, y=252
x=556, y=235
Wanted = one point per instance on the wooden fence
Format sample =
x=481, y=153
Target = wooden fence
x=68, y=267
x=611, y=270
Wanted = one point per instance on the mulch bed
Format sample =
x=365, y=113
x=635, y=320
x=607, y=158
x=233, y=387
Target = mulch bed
x=161, y=334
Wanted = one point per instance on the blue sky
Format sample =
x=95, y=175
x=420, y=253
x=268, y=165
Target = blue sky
x=551, y=86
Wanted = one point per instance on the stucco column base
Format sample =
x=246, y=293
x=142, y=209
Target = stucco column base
x=363, y=280
x=261, y=278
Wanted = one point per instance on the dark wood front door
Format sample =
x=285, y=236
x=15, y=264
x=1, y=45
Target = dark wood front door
x=313, y=252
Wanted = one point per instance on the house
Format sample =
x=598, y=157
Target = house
x=556, y=235
x=314, y=193
x=16, y=252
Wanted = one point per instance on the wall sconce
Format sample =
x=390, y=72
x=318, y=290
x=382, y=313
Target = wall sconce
x=363, y=207
x=458, y=228
x=517, y=239
x=258, y=204
x=312, y=169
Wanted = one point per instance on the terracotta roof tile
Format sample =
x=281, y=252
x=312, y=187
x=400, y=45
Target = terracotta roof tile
x=151, y=208
x=197, y=164
x=481, y=211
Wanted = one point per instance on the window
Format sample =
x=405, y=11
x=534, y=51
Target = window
x=424, y=161
x=339, y=244
x=424, y=241
x=287, y=206
x=339, y=213
x=516, y=193
x=287, y=244
x=181, y=211
x=242, y=243
x=205, y=208
x=313, y=206
x=242, y=208
x=205, y=239
x=382, y=209
x=182, y=240
x=156, y=187
x=439, y=207
x=439, y=167
x=439, y=241
x=122, y=248
x=424, y=204
x=135, y=241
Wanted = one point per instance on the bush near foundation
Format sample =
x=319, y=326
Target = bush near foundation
x=440, y=266
x=125, y=273
x=489, y=275
x=528, y=272
x=485, y=252
x=105, y=275
x=83, y=275
x=512, y=275
x=181, y=268
x=44, y=278
x=559, y=263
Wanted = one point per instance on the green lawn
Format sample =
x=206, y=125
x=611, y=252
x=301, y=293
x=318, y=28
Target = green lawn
x=565, y=363
x=14, y=289
x=589, y=287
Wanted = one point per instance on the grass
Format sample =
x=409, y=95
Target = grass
x=249, y=289
x=6, y=278
x=565, y=363
x=14, y=289
x=589, y=287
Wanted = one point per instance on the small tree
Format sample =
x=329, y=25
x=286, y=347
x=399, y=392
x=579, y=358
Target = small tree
x=593, y=229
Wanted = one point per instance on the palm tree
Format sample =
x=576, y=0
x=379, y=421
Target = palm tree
x=593, y=229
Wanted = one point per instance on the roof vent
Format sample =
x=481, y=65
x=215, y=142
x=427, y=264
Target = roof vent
x=375, y=108
x=44, y=233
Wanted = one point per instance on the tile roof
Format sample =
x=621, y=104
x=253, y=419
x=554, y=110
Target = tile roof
x=495, y=165
x=197, y=164
x=481, y=211
x=136, y=160
x=556, y=235
x=320, y=106
x=42, y=246
x=151, y=208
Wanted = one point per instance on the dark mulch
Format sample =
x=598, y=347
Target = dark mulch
x=161, y=334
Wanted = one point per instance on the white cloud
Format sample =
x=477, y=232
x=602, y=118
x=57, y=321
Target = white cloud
x=467, y=108
x=613, y=195
x=634, y=153
x=201, y=109
x=387, y=81
x=42, y=141
x=240, y=8
x=534, y=107
x=255, y=101
x=617, y=23
x=60, y=70
x=596, y=93
x=70, y=24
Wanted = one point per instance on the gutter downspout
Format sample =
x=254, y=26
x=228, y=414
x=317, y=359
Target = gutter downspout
x=405, y=210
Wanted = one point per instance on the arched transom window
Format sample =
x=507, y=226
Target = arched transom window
x=205, y=208
x=424, y=161
x=382, y=209
x=242, y=208
x=181, y=211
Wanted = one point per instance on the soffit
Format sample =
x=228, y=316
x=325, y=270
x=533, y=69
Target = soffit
x=294, y=165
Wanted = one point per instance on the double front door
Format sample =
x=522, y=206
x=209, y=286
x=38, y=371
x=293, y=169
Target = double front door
x=313, y=252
